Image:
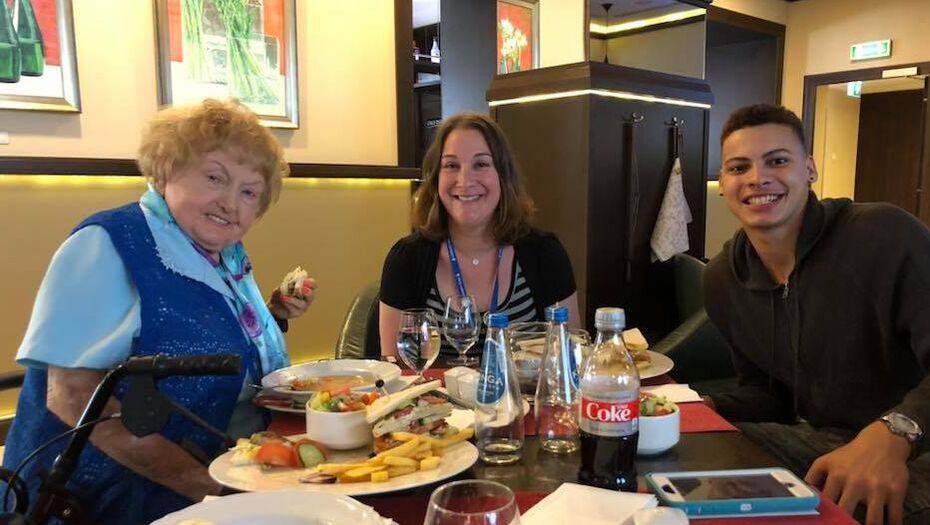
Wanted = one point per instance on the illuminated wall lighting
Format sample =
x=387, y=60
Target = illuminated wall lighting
x=601, y=29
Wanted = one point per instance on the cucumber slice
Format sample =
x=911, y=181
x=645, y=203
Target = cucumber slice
x=310, y=455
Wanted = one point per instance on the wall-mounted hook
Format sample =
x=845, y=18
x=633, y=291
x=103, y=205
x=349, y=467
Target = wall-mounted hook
x=675, y=122
x=634, y=118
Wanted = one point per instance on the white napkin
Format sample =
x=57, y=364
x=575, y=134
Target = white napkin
x=670, y=233
x=573, y=503
x=676, y=393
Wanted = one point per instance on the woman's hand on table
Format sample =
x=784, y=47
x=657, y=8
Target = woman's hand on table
x=290, y=306
x=871, y=470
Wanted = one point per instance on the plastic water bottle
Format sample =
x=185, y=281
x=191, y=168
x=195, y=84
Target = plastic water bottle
x=499, y=405
x=557, y=390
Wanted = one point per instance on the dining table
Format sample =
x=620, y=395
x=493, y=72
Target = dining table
x=707, y=442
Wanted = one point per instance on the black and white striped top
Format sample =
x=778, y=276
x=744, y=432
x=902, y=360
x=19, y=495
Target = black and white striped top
x=518, y=305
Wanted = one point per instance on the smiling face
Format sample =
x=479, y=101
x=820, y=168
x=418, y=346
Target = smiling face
x=214, y=200
x=765, y=178
x=469, y=186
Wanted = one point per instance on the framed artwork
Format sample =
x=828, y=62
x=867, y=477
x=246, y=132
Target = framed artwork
x=38, y=70
x=242, y=49
x=517, y=36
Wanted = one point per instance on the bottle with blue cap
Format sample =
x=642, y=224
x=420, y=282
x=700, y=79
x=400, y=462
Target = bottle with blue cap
x=557, y=390
x=499, y=405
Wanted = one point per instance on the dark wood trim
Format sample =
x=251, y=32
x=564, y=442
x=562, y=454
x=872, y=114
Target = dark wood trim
x=105, y=167
x=698, y=3
x=923, y=183
x=648, y=29
x=403, y=74
x=595, y=75
x=812, y=81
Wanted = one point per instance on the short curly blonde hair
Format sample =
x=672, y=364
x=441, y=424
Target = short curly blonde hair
x=179, y=136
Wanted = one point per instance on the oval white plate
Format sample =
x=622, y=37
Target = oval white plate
x=281, y=508
x=280, y=379
x=661, y=364
x=251, y=478
x=396, y=385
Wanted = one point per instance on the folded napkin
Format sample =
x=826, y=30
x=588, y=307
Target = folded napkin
x=670, y=233
x=573, y=503
x=674, y=392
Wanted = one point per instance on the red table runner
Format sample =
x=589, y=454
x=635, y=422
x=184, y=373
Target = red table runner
x=410, y=510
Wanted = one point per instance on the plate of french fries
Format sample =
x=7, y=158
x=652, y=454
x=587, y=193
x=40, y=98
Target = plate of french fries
x=418, y=460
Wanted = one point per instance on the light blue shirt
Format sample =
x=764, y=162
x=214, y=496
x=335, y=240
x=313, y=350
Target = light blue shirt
x=87, y=311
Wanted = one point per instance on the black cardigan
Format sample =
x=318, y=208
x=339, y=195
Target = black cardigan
x=410, y=269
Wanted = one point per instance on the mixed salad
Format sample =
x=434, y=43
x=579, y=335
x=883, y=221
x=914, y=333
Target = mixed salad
x=653, y=405
x=342, y=400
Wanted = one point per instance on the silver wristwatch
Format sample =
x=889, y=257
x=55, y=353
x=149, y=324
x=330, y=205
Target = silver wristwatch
x=901, y=425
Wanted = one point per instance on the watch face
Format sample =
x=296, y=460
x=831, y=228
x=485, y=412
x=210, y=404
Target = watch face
x=904, y=424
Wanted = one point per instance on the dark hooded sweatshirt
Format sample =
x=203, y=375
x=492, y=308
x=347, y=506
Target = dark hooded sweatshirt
x=847, y=338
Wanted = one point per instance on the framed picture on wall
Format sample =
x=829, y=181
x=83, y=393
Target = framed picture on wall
x=38, y=70
x=242, y=49
x=517, y=35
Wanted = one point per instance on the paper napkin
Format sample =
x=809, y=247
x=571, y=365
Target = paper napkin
x=573, y=503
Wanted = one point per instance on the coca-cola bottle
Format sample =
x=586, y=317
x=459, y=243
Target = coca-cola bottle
x=557, y=389
x=608, y=415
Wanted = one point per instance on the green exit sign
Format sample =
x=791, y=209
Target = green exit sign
x=869, y=50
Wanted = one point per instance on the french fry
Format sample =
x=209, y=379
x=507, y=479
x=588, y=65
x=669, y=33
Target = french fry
x=430, y=463
x=334, y=469
x=361, y=472
x=400, y=471
x=402, y=450
x=398, y=461
x=380, y=477
x=462, y=435
x=404, y=436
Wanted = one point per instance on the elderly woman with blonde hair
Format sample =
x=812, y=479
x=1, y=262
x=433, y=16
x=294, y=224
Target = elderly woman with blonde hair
x=165, y=275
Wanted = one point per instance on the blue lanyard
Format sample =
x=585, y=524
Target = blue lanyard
x=460, y=282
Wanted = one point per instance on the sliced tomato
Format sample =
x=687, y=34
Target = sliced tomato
x=277, y=454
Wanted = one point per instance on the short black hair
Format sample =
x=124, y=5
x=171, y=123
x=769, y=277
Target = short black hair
x=759, y=114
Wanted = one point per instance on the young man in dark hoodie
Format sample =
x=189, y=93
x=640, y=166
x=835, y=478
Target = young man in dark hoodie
x=826, y=305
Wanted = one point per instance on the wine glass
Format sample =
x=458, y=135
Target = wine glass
x=417, y=340
x=472, y=502
x=461, y=323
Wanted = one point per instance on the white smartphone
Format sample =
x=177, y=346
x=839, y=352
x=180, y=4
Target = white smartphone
x=716, y=493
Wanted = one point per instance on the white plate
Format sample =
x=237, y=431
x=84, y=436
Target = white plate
x=661, y=364
x=281, y=508
x=279, y=380
x=251, y=478
x=396, y=385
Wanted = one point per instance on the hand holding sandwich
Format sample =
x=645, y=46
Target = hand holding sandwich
x=292, y=298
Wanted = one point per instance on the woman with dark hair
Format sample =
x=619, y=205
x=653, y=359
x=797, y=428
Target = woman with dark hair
x=472, y=234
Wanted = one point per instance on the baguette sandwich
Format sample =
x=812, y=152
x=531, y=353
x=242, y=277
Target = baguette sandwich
x=636, y=344
x=294, y=283
x=419, y=409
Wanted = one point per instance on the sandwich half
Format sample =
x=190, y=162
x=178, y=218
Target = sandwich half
x=421, y=409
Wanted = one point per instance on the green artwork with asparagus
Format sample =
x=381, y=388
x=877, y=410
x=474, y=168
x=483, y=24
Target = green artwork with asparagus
x=22, y=51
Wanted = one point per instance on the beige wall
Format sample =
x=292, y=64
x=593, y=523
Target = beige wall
x=819, y=33
x=561, y=31
x=678, y=50
x=339, y=230
x=836, y=140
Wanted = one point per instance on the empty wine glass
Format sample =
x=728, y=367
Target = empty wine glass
x=418, y=340
x=461, y=323
x=472, y=502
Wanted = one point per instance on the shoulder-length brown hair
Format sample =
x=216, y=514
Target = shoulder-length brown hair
x=513, y=212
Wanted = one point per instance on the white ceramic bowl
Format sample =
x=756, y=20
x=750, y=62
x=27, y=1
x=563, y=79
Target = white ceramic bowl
x=338, y=430
x=658, y=433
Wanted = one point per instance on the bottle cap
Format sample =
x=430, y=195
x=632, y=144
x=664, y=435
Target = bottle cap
x=610, y=318
x=557, y=314
x=497, y=320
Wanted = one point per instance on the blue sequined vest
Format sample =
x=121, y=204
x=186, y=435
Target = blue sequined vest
x=180, y=316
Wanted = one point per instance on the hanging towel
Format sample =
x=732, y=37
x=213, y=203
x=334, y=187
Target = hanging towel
x=670, y=235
